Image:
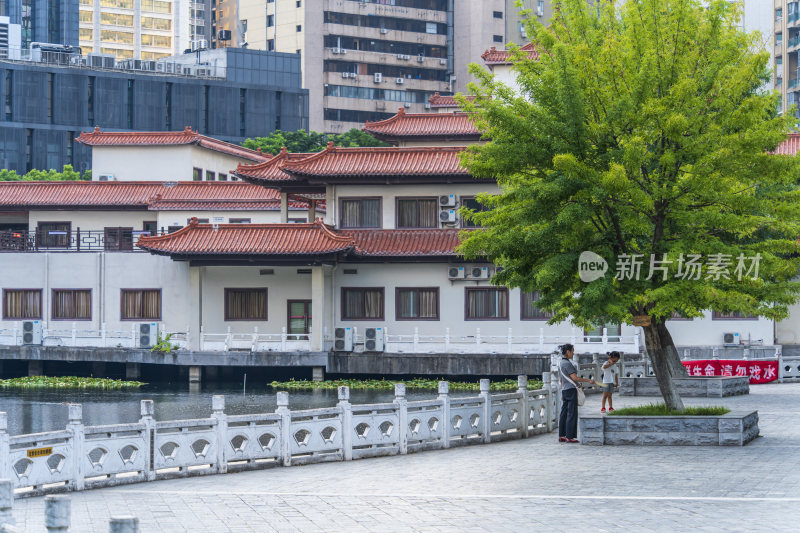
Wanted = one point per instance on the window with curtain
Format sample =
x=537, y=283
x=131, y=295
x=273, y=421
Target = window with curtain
x=141, y=304
x=486, y=303
x=22, y=304
x=71, y=304
x=118, y=239
x=596, y=334
x=529, y=309
x=418, y=213
x=417, y=303
x=246, y=304
x=362, y=303
x=360, y=213
x=734, y=315
x=54, y=234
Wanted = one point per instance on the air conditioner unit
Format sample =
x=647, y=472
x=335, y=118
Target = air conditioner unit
x=442, y=61
x=406, y=57
x=447, y=200
x=420, y=59
x=343, y=51
x=447, y=216
x=148, y=335
x=399, y=81
x=378, y=77
x=343, y=340
x=427, y=106
x=384, y=31
x=336, y=50
x=345, y=74
x=32, y=332
x=730, y=339
x=106, y=177
x=374, y=340
x=479, y=273
x=399, y=56
x=540, y=10
x=456, y=272
x=406, y=105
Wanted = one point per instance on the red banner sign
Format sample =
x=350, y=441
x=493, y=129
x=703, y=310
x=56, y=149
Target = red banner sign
x=757, y=371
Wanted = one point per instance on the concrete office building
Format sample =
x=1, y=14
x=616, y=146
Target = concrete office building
x=236, y=94
x=515, y=26
x=44, y=21
x=201, y=23
x=129, y=29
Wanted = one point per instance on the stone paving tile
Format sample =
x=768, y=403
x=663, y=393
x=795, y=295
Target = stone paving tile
x=512, y=486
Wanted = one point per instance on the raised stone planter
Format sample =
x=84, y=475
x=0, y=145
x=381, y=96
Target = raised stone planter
x=695, y=386
x=733, y=429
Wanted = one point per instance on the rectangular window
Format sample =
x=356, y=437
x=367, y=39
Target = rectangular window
x=299, y=317
x=596, y=334
x=299, y=28
x=222, y=177
x=140, y=304
x=238, y=221
x=734, y=315
x=417, y=303
x=360, y=213
x=197, y=174
x=418, y=213
x=210, y=175
x=497, y=38
x=173, y=229
x=270, y=21
x=22, y=304
x=529, y=310
x=486, y=303
x=363, y=303
x=246, y=304
x=151, y=227
x=677, y=316
x=71, y=304
x=54, y=234
x=497, y=14
x=474, y=205
x=270, y=45
x=118, y=239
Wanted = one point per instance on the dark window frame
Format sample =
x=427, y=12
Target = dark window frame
x=240, y=221
x=263, y=290
x=352, y=198
x=480, y=208
x=53, y=308
x=197, y=174
x=399, y=199
x=140, y=319
x=43, y=241
x=522, y=307
x=715, y=315
x=41, y=304
x=467, y=318
x=121, y=244
x=344, y=314
x=397, y=316
x=309, y=318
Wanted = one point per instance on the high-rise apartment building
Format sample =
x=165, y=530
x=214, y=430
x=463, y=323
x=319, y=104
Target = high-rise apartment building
x=135, y=29
x=201, y=27
x=785, y=43
x=45, y=21
x=515, y=26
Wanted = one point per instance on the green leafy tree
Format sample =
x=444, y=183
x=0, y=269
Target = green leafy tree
x=305, y=141
x=67, y=174
x=641, y=130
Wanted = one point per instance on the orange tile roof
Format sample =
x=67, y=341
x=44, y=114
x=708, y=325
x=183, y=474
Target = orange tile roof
x=790, y=146
x=167, y=138
x=301, y=240
x=269, y=171
x=124, y=194
x=434, y=126
x=414, y=161
x=438, y=100
x=493, y=56
x=405, y=242
x=248, y=240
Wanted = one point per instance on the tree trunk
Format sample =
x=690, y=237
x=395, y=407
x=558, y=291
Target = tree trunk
x=663, y=355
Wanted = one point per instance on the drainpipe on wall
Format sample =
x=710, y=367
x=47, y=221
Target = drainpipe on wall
x=450, y=40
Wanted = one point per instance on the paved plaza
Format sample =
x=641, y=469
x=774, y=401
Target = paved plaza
x=525, y=485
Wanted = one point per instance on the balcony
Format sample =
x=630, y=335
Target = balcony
x=793, y=17
x=793, y=42
x=116, y=240
x=793, y=83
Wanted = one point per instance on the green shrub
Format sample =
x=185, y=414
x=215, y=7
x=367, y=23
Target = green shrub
x=660, y=409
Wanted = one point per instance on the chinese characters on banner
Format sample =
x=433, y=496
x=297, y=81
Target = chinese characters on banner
x=758, y=371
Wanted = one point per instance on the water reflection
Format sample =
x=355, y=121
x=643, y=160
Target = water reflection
x=33, y=411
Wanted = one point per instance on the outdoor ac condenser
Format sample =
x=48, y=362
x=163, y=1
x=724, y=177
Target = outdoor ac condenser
x=454, y=272
x=148, y=335
x=343, y=340
x=374, y=340
x=730, y=339
x=32, y=332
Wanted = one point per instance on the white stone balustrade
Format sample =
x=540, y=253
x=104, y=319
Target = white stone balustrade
x=96, y=456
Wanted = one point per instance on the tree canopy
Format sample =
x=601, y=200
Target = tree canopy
x=309, y=141
x=67, y=174
x=642, y=133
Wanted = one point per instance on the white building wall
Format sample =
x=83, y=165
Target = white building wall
x=92, y=220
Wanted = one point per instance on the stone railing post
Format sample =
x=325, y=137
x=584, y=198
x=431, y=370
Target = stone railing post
x=444, y=397
x=56, y=514
x=6, y=502
x=524, y=410
x=548, y=409
x=401, y=404
x=487, y=410
x=555, y=389
x=221, y=430
x=123, y=524
x=597, y=370
x=286, y=427
x=75, y=426
x=146, y=410
x=5, y=453
x=347, y=423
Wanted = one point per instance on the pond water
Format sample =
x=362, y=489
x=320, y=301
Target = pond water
x=36, y=410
